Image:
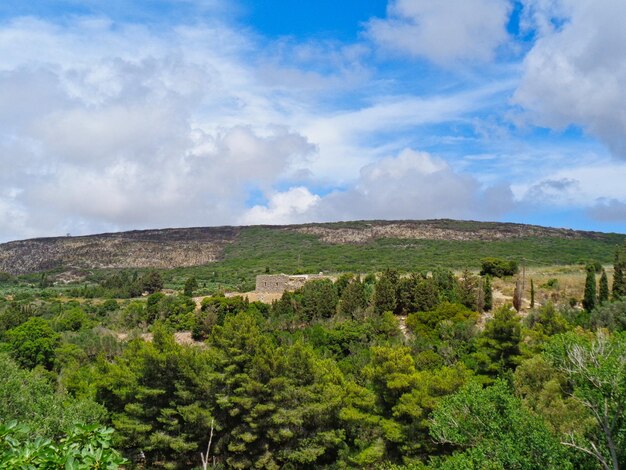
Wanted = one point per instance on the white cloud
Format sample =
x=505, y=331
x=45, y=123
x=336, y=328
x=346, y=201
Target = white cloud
x=108, y=127
x=283, y=208
x=411, y=185
x=575, y=72
x=443, y=31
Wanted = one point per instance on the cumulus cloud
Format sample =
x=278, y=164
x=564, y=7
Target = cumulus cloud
x=411, y=185
x=575, y=72
x=443, y=32
x=133, y=130
x=283, y=208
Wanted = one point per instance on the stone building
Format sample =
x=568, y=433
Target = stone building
x=279, y=283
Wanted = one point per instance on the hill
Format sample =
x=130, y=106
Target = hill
x=340, y=246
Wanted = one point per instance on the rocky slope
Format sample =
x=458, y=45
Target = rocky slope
x=141, y=249
x=169, y=248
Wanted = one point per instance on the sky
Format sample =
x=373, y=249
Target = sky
x=119, y=114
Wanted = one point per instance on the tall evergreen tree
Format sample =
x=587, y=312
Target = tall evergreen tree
x=353, y=298
x=517, y=295
x=603, y=295
x=385, y=293
x=467, y=290
x=619, y=286
x=532, y=294
x=589, y=300
x=488, y=292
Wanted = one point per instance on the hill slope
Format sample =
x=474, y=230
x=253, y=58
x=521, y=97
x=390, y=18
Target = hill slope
x=328, y=246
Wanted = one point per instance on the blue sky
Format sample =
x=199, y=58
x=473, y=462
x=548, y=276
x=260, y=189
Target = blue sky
x=159, y=113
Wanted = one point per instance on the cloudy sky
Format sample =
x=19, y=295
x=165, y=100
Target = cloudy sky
x=125, y=114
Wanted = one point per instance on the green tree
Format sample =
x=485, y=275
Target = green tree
x=191, y=284
x=160, y=399
x=28, y=397
x=497, y=267
x=596, y=370
x=425, y=295
x=518, y=295
x=589, y=300
x=275, y=405
x=488, y=294
x=33, y=343
x=152, y=282
x=532, y=294
x=619, y=283
x=492, y=429
x=498, y=348
x=353, y=298
x=610, y=315
x=467, y=290
x=385, y=292
x=603, y=295
x=319, y=300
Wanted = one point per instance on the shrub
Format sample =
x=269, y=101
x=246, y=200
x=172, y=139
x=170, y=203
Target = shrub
x=498, y=267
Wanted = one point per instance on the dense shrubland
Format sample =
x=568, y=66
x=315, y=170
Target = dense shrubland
x=394, y=371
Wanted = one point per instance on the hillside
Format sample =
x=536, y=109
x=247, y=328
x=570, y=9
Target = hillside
x=361, y=245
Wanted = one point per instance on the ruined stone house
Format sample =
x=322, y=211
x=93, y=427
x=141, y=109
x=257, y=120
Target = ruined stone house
x=279, y=283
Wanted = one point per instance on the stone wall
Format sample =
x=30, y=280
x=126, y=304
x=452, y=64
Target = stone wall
x=279, y=283
x=271, y=283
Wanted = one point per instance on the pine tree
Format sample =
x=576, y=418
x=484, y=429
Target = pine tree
x=467, y=290
x=603, y=295
x=385, y=293
x=589, y=300
x=353, y=298
x=532, y=294
x=488, y=293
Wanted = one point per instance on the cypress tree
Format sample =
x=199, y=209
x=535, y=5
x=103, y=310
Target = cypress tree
x=619, y=289
x=532, y=294
x=589, y=300
x=517, y=295
x=603, y=295
x=488, y=292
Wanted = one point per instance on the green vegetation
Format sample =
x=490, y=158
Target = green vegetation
x=282, y=251
x=498, y=267
x=397, y=369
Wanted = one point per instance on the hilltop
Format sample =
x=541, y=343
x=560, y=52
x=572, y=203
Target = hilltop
x=359, y=245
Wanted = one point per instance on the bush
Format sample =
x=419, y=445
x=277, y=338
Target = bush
x=82, y=447
x=498, y=267
x=33, y=343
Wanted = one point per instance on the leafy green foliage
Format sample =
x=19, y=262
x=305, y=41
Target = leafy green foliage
x=33, y=343
x=595, y=366
x=82, y=448
x=610, y=315
x=492, y=429
x=29, y=397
